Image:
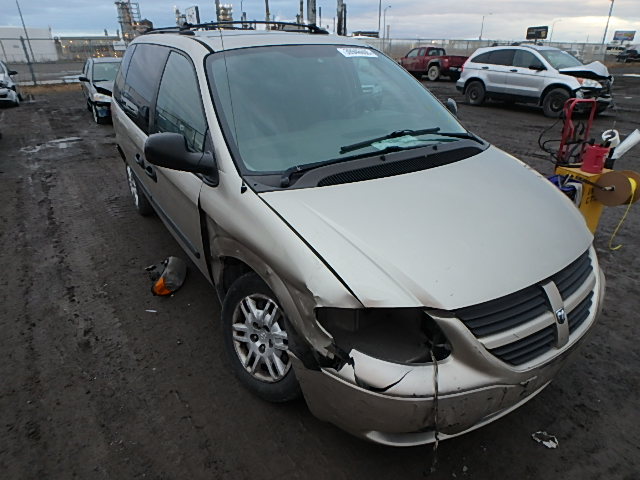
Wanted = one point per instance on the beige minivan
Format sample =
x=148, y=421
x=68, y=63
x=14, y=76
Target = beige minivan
x=411, y=280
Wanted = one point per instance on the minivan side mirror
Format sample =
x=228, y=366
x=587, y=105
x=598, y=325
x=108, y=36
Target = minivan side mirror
x=539, y=68
x=12, y=72
x=83, y=79
x=452, y=106
x=170, y=150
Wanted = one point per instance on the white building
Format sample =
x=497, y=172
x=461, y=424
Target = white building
x=42, y=45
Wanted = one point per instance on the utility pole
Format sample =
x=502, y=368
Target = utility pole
x=320, y=17
x=33, y=57
x=604, y=37
x=267, y=15
x=26, y=54
x=379, y=15
x=311, y=11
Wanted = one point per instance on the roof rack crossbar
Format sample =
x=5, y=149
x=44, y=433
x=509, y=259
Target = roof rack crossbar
x=243, y=25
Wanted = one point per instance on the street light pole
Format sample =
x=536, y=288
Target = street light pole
x=379, y=15
x=604, y=37
x=482, y=25
x=384, y=28
x=552, y=26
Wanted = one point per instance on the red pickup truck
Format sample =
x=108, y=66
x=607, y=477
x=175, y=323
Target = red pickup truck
x=433, y=62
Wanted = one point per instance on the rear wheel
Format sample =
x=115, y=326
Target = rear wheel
x=475, y=93
x=554, y=101
x=142, y=204
x=255, y=338
x=433, y=73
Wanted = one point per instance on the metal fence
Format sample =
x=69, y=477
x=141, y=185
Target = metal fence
x=398, y=47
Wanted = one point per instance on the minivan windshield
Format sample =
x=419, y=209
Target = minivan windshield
x=290, y=106
x=559, y=59
x=105, y=71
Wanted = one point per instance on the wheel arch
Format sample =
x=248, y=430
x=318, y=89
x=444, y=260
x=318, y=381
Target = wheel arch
x=473, y=79
x=553, y=86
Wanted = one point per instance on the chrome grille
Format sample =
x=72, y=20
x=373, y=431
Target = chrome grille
x=526, y=306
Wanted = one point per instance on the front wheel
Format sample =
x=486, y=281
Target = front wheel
x=554, y=101
x=98, y=119
x=256, y=340
x=475, y=93
x=433, y=73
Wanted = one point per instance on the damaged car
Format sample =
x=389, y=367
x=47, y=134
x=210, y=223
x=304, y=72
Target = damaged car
x=539, y=75
x=412, y=281
x=98, y=75
x=9, y=94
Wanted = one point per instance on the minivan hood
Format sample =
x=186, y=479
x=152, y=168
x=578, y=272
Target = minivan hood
x=594, y=71
x=446, y=237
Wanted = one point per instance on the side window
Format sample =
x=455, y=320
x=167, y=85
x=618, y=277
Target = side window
x=85, y=69
x=501, y=57
x=423, y=52
x=179, y=107
x=482, y=58
x=122, y=73
x=141, y=82
x=524, y=59
x=435, y=52
x=413, y=53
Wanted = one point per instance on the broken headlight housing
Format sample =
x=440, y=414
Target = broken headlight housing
x=399, y=335
x=101, y=97
x=589, y=83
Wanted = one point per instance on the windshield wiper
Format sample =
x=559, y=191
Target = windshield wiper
x=465, y=135
x=396, y=134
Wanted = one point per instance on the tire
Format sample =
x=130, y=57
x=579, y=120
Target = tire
x=433, y=73
x=257, y=346
x=16, y=102
x=553, y=102
x=140, y=200
x=475, y=93
x=96, y=118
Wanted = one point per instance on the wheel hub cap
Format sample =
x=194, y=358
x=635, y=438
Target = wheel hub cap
x=259, y=338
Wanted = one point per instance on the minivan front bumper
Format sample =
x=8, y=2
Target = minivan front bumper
x=406, y=405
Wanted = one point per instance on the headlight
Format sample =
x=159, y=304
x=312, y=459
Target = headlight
x=99, y=97
x=400, y=335
x=588, y=83
x=3, y=84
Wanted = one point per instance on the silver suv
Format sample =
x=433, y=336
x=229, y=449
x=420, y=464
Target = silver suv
x=544, y=76
x=403, y=274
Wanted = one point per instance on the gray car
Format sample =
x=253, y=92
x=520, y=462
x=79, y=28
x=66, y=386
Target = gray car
x=543, y=76
x=98, y=75
x=9, y=94
x=411, y=280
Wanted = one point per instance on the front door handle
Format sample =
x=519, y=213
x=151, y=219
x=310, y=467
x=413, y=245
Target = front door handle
x=485, y=68
x=513, y=70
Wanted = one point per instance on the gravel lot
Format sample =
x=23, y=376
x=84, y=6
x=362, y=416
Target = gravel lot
x=99, y=379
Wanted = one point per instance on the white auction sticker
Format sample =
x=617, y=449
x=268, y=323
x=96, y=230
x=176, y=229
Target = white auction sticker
x=356, y=52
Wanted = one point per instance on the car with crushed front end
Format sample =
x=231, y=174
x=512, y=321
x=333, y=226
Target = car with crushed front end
x=539, y=75
x=411, y=280
x=98, y=75
x=9, y=93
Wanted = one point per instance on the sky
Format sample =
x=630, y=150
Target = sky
x=572, y=20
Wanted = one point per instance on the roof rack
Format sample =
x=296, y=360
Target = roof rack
x=190, y=29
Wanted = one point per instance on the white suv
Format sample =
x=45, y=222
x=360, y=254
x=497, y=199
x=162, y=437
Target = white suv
x=543, y=76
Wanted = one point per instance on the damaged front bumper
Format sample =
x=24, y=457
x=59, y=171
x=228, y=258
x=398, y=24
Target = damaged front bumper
x=404, y=404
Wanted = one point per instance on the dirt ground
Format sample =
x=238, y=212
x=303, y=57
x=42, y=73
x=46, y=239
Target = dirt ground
x=99, y=379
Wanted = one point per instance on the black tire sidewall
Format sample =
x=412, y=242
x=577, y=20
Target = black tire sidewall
x=281, y=391
x=550, y=97
x=481, y=93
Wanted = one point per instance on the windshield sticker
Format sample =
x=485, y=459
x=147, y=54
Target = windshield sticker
x=405, y=142
x=356, y=52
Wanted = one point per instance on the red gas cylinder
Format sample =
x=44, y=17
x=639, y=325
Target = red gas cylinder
x=593, y=158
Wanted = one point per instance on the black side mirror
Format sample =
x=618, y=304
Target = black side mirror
x=539, y=68
x=12, y=72
x=452, y=106
x=83, y=79
x=170, y=150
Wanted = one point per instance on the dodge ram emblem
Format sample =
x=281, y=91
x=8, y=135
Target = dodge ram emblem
x=561, y=316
